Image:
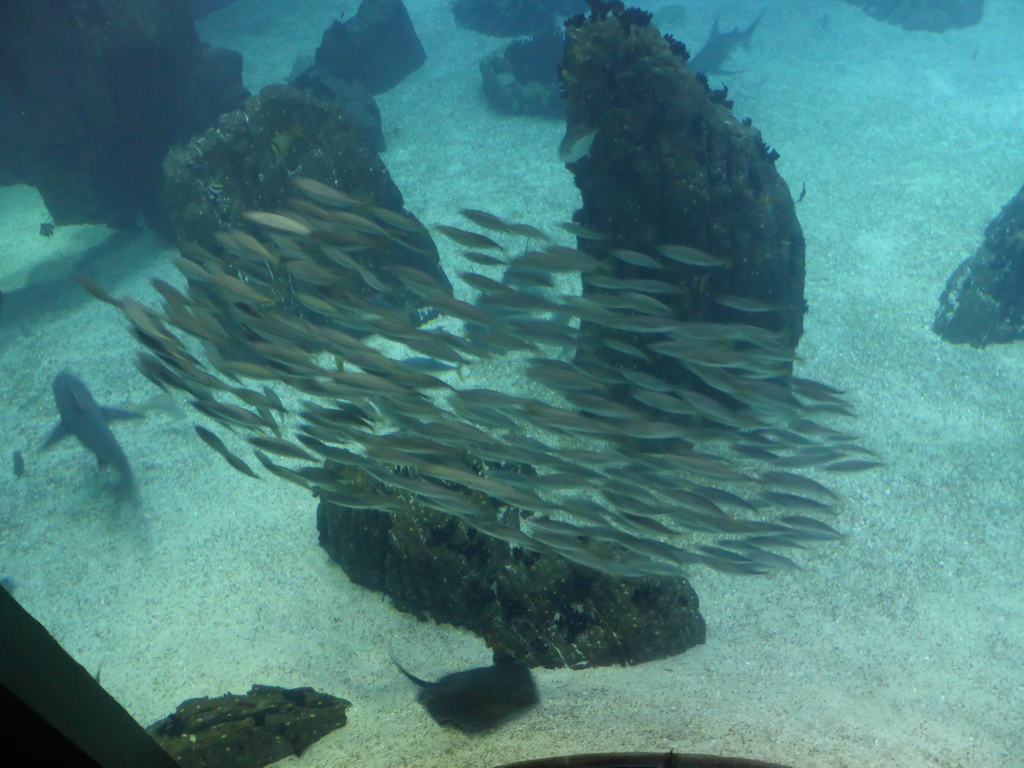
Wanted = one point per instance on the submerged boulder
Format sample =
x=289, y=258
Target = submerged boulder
x=983, y=302
x=93, y=95
x=666, y=171
x=360, y=57
x=377, y=48
x=249, y=730
x=522, y=78
x=537, y=608
x=248, y=162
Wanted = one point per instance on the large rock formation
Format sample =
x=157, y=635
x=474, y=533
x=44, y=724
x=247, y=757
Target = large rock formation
x=377, y=48
x=92, y=95
x=660, y=159
x=247, y=162
x=363, y=56
x=537, y=608
x=984, y=298
x=522, y=78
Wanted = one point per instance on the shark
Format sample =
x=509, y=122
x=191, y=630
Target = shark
x=82, y=417
x=719, y=47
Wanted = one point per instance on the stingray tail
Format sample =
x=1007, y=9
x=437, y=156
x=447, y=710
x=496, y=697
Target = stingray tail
x=412, y=677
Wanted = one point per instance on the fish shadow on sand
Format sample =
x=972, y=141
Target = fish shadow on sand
x=478, y=699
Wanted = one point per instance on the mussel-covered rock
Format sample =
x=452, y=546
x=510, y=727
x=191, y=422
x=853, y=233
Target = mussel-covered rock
x=537, y=608
x=248, y=730
x=248, y=161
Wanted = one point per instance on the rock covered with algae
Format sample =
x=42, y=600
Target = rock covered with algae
x=669, y=163
x=983, y=302
x=537, y=608
x=249, y=161
x=308, y=352
x=248, y=730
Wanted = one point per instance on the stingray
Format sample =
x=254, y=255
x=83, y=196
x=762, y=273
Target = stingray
x=478, y=698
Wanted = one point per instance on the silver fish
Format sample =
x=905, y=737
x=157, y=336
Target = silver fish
x=576, y=144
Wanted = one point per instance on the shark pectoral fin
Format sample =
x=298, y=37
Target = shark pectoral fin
x=113, y=414
x=59, y=432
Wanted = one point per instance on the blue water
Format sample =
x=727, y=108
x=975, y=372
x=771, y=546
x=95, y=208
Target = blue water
x=901, y=646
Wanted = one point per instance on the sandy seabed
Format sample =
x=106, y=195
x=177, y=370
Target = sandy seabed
x=899, y=647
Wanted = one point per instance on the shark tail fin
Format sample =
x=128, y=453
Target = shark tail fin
x=749, y=31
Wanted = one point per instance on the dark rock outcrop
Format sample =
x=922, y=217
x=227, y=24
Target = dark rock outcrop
x=537, y=608
x=368, y=54
x=220, y=79
x=247, y=163
x=377, y=48
x=670, y=164
x=351, y=97
x=522, y=78
x=92, y=95
x=926, y=15
x=984, y=298
x=248, y=731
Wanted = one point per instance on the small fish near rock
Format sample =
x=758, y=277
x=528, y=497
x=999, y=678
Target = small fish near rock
x=478, y=699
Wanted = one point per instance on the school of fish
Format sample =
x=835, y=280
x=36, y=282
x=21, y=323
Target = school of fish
x=292, y=335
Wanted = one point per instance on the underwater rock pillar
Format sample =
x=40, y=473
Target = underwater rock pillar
x=670, y=164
